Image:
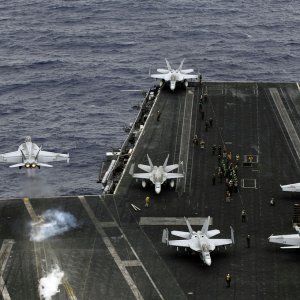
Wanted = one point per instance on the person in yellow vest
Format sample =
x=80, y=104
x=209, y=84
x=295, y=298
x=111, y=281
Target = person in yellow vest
x=147, y=201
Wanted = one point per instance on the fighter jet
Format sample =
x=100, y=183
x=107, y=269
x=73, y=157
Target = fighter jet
x=30, y=156
x=157, y=175
x=294, y=187
x=199, y=241
x=287, y=239
x=173, y=76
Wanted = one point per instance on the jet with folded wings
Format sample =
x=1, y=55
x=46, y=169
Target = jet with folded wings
x=30, y=156
x=198, y=241
x=157, y=175
x=173, y=76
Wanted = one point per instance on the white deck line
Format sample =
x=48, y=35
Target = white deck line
x=172, y=221
x=4, y=256
x=122, y=267
x=286, y=121
x=298, y=86
x=135, y=254
x=137, y=142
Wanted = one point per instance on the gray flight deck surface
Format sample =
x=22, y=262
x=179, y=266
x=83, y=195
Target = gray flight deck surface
x=116, y=252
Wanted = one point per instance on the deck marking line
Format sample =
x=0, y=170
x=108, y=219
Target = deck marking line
x=4, y=256
x=294, y=138
x=137, y=141
x=38, y=258
x=111, y=249
x=133, y=251
x=172, y=221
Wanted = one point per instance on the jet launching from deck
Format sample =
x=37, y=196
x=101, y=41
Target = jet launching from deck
x=30, y=156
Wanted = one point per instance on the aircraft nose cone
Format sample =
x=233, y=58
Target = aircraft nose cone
x=208, y=262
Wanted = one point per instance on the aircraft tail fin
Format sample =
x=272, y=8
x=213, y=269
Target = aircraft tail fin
x=165, y=236
x=168, y=65
x=181, y=65
x=205, y=225
x=188, y=225
x=166, y=161
x=150, y=162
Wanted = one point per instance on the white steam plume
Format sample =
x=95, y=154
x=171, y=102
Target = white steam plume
x=48, y=285
x=53, y=222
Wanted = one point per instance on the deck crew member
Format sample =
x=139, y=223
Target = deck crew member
x=248, y=241
x=158, y=116
x=243, y=216
x=228, y=280
x=147, y=201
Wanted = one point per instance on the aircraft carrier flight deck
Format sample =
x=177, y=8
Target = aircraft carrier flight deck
x=116, y=251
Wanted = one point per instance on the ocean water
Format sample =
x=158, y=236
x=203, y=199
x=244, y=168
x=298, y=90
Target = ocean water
x=63, y=65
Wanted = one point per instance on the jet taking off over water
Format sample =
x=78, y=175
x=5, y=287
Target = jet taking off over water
x=294, y=187
x=30, y=156
x=293, y=240
x=173, y=76
x=157, y=175
x=199, y=241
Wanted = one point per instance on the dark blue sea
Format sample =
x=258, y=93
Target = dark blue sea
x=63, y=65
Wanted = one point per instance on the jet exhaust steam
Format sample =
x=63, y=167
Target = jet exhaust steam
x=53, y=222
x=48, y=285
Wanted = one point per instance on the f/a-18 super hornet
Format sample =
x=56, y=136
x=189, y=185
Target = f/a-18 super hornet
x=200, y=241
x=292, y=240
x=294, y=187
x=173, y=76
x=157, y=175
x=30, y=156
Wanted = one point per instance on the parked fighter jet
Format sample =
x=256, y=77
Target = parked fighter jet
x=294, y=187
x=173, y=76
x=287, y=239
x=30, y=156
x=158, y=175
x=199, y=241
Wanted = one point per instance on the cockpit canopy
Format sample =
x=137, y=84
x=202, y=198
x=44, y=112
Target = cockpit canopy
x=27, y=139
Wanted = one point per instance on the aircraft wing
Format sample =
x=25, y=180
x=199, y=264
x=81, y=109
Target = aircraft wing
x=166, y=77
x=180, y=243
x=290, y=247
x=45, y=157
x=220, y=242
x=171, y=167
x=187, y=71
x=186, y=76
x=174, y=175
x=141, y=175
x=182, y=234
x=145, y=168
x=12, y=157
